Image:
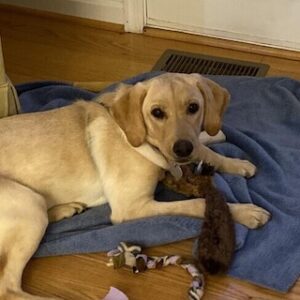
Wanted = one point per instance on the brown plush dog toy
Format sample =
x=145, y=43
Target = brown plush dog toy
x=216, y=243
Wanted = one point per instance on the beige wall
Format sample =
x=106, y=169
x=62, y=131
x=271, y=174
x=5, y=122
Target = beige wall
x=102, y=10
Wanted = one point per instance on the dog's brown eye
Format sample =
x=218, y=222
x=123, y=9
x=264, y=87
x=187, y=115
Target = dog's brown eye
x=192, y=108
x=158, y=113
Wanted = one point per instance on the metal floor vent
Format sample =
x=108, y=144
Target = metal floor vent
x=184, y=62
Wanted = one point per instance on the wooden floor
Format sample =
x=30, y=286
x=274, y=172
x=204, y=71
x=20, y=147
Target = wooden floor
x=45, y=47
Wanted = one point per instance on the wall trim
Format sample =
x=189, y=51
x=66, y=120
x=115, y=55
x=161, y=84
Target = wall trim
x=214, y=33
x=222, y=43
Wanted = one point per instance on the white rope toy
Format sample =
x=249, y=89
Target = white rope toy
x=131, y=256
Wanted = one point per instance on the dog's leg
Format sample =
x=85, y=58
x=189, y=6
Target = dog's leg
x=149, y=208
x=226, y=164
x=248, y=215
x=64, y=211
x=23, y=221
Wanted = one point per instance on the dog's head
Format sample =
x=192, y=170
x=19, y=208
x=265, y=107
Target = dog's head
x=169, y=111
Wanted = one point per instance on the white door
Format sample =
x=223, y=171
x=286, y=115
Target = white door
x=270, y=22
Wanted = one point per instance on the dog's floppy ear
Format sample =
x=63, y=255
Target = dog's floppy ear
x=216, y=99
x=125, y=105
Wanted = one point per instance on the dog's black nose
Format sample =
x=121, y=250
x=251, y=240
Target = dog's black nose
x=183, y=148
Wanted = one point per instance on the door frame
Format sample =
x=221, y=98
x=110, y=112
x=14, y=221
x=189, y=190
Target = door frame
x=134, y=15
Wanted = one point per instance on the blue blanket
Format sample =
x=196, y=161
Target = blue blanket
x=262, y=124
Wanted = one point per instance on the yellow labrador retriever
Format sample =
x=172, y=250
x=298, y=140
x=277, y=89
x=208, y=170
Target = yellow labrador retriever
x=54, y=164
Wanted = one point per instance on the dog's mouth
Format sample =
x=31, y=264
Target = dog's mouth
x=183, y=161
x=171, y=158
x=179, y=160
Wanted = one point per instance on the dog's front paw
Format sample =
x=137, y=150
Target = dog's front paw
x=240, y=167
x=246, y=168
x=249, y=215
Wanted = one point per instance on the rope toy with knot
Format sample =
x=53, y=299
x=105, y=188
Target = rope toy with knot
x=126, y=255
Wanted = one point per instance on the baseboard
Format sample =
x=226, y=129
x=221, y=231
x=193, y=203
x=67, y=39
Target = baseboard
x=223, y=43
x=102, y=10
